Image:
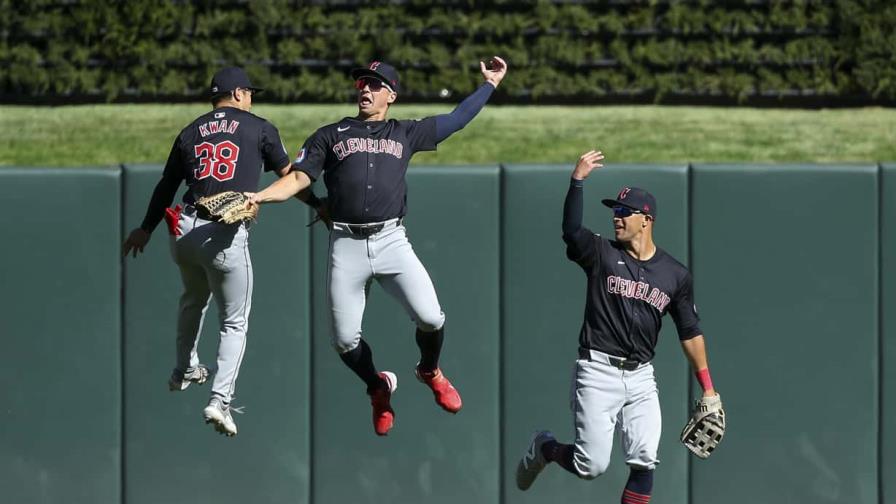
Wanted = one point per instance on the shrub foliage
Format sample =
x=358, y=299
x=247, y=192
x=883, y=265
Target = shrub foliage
x=583, y=51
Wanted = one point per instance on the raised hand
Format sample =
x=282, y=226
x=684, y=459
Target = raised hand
x=587, y=163
x=495, y=70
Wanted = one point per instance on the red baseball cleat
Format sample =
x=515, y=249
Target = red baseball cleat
x=445, y=393
x=383, y=415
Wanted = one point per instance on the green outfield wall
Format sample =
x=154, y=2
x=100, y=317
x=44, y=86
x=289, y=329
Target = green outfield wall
x=795, y=277
x=60, y=367
x=887, y=356
x=169, y=453
x=787, y=277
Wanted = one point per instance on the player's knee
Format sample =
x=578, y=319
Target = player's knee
x=587, y=467
x=590, y=471
x=431, y=322
x=643, y=460
x=644, y=463
x=345, y=343
x=639, y=467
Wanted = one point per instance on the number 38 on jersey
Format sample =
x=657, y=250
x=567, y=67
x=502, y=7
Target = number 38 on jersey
x=216, y=160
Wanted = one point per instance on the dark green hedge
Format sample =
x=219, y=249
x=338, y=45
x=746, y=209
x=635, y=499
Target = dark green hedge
x=611, y=50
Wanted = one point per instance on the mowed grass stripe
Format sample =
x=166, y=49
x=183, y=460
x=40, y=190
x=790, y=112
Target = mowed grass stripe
x=110, y=134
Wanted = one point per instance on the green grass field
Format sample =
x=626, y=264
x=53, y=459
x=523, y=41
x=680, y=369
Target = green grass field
x=110, y=134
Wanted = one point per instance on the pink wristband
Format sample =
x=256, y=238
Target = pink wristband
x=704, y=379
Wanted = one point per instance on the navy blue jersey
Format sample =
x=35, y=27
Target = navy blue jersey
x=225, y=149
x=627, y=298
x=364, y=164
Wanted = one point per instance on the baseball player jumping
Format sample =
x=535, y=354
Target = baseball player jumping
x=222, y=150
x=632, y=284
x=364, y=160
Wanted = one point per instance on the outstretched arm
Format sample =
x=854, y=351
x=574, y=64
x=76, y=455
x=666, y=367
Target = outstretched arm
x=447, y=124
x=305, y=195
x=282, y=189
x=308, y=197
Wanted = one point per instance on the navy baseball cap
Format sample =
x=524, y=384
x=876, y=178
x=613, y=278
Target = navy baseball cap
x=634, y=198
x=379, y=70
x=229, y=79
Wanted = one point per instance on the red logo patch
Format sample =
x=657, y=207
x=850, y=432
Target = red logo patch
x=623, y=193
x=374, y=65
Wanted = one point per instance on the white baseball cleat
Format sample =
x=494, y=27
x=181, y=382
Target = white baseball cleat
x=218, y=413
x=533, y=461
x=180, y=381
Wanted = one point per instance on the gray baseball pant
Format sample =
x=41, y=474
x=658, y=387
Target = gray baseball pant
x=605, y=400
x=388, y=257
x=214, y=263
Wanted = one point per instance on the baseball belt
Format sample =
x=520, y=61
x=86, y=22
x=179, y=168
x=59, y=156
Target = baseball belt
x=616, y=362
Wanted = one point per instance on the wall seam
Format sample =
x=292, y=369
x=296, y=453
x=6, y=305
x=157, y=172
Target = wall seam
x=501, y=336
x=311, y=363
x=689, y=495
x=880, y=334
x=122, y=309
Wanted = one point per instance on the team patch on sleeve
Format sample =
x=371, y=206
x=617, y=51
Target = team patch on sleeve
x=300, y=156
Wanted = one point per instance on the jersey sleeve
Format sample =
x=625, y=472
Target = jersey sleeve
x=684, y=311
x=312, y=156
x=421, y=134
x=166, y=189
x=447, y=124
x=582, y=247
x=581, y=243
x=272, y=149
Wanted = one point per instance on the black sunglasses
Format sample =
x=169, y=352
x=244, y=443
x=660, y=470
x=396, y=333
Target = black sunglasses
x=372, y=82
x=623, y=212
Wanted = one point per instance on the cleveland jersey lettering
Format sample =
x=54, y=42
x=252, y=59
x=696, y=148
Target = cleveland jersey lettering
x=364, y=163
x=638, y=290
x=348, y=147
x=627, y=298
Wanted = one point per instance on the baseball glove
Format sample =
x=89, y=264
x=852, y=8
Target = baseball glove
x=227, y=207
x=706, y=427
